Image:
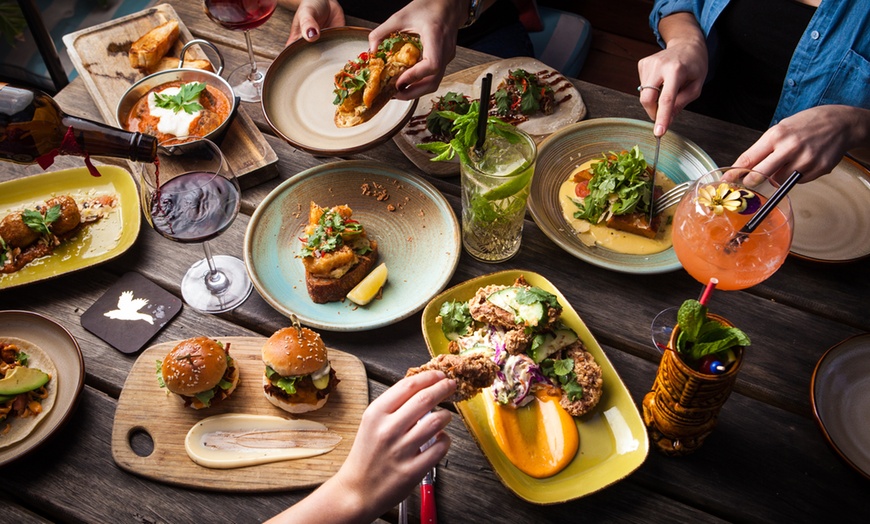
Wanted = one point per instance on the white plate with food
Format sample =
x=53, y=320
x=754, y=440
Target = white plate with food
x=298, y=94
x=840, y=393
x=415, y=228
x=563, y=106
x=830, y=219
x=62, y=351
x=563, y=153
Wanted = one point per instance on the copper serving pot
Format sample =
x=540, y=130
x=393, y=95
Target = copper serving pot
x=141, y=88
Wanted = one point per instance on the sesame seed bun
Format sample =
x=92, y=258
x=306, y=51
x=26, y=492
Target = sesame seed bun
x=194, y=365
x=293, y=352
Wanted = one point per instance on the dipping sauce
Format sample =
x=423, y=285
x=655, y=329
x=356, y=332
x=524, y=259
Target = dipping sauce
x=540, y=438
x=614, y=239
x=147, y=118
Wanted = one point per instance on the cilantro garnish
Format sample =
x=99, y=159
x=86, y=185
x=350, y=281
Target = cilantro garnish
x=619, y=185
x=39, y=223
x=21, y=358
x=330, y=234
x=700, y=336
x=185, y=99
x=562, y=371
x=535, y=294
x=455, y=319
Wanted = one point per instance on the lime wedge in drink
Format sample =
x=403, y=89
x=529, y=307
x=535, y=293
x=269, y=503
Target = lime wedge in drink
x=511, y=187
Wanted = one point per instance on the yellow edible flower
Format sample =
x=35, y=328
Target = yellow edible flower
x=720, y=198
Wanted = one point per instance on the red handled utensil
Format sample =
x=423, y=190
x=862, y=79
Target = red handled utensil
x=427, y=492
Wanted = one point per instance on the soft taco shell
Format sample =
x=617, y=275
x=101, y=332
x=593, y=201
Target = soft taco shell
x=36, y=358
x=570, y=107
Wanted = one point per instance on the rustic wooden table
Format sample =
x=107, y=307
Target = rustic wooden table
x=767, y=461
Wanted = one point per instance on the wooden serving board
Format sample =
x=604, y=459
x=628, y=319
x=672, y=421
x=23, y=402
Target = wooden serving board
x=145, y=407
x=466, y=82
x=101, y=56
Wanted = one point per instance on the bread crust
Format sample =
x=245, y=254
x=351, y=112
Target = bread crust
x=146, y=52
x=323, y=289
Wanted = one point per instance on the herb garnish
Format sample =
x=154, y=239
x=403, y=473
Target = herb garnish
x=700, y=336
x=465, y=134
x=455, y=319
x=437, y=124
x=330, y=234
x=562, y=370
x=39, y=223
x=185, y=99
x=619, y=185
x=524, y=94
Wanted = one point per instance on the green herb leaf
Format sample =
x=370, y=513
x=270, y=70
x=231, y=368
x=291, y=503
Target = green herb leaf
x=39, y=222
x=536, y=294
x=465, y=134
x=619, y=185
x=185, y=98
x=455, y=319
x=21, y=358
x=700, y=336
x=160, y=374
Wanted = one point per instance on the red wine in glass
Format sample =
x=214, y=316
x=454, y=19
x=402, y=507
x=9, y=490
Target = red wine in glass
x=243, y=15
x=194, y=207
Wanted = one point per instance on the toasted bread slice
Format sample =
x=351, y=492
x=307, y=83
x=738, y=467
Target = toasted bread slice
x=171, y=62
x=146, y=52
x=324, y=289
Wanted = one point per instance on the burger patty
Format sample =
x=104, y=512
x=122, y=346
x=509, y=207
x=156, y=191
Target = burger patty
x=306, y=393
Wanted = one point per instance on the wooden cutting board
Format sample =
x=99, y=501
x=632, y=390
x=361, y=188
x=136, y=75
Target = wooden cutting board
x=101, y=56
x=145, y=407
x=467, y=83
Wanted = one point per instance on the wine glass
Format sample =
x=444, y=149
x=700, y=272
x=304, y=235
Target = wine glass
x=243, y=15
x=709, y=218
x=191, y=195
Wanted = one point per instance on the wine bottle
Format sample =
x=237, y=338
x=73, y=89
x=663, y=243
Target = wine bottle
x=33, y=129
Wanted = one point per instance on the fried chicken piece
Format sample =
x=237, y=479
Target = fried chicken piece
x=472, y=372
x=484, y=311
x=588, y=375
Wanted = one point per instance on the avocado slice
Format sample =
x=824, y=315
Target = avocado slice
x=21, y=380
x=527, y=314
x=552, y=342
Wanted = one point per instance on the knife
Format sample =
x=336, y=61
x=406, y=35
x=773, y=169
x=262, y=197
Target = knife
x=652, y=182
x=427, y=498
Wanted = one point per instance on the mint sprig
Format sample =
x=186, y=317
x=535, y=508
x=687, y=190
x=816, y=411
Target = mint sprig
x=185, y=98
x=700, y=336
x=465, y=134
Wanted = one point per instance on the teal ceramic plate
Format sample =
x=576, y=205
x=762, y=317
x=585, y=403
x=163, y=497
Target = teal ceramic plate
x=840, y=395
x=96, y=243
x=418, y=241
x=613, y=439
x=563, y=151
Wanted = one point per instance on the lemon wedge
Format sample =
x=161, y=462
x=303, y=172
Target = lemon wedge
x=365, y=291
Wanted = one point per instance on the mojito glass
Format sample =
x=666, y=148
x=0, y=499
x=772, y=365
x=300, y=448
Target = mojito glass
x=495, y=188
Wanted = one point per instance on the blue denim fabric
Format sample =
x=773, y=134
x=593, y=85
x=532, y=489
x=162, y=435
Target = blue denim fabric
x=830, y=65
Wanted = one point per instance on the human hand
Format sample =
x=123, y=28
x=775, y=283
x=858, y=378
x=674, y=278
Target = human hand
x=437, y=23
x=679, y=70
x=812, y=141
x=313, y=15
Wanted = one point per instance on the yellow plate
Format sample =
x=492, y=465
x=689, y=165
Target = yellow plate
x=97, y=242
x=613, y=439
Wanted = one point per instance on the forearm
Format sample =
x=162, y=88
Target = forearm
x=681, y=28
x=331, y=503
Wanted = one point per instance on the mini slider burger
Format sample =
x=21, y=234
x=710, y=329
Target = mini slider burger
x=199, y=370
x=298, y=376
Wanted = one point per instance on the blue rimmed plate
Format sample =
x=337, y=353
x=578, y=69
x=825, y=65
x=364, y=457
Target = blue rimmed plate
x=418, y=240
x=563, y=151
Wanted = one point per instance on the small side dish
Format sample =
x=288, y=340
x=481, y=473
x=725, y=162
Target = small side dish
x=179, y=108
x=28, y=388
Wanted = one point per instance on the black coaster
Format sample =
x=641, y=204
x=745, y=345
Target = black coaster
x=131, y=312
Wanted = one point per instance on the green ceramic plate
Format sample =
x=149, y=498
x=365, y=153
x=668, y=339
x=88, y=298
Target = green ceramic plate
x=96, y=243
x=613, y=439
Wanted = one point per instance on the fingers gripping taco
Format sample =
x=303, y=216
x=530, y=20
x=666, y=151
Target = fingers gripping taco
x=28, y=388
x=366, y=83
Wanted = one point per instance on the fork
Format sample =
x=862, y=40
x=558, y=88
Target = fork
x=671, y=198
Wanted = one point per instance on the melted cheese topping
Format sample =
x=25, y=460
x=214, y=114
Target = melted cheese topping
x=170, y=122
x=613, y=239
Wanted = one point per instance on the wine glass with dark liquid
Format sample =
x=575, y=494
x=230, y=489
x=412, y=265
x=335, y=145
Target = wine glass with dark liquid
x=243, y=15
x=191, y=195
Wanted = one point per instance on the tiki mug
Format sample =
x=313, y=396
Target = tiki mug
x=682, y=408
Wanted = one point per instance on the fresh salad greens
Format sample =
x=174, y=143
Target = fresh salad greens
x=700, y=336
x=464, y=132
x=619, y=185
x=441, y=126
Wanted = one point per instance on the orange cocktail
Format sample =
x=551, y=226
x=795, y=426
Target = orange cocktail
x=711, y=215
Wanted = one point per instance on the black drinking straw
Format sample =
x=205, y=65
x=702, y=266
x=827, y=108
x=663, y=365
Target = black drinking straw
x=485, y=88
x=762, y=213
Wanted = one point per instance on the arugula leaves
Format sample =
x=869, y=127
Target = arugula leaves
x=39, y=222
x=185, y=99
x=619, y=185
x=700, y=336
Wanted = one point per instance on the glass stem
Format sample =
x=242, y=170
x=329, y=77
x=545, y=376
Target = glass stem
x=253, y=75
x=216, y=281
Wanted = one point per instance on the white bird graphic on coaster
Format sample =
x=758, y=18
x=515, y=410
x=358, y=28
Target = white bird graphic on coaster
x=128, y=309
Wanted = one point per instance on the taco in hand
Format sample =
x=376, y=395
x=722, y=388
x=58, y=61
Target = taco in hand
x=28, y=388
x=366, y=83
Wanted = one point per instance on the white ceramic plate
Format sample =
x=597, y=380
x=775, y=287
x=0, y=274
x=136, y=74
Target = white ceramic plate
x=840, y=392
x=831, y=223
x=419, y=242
x=564, y=150
x=298, y=95
x=63, y=349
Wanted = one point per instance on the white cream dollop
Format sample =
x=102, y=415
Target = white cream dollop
x=169, y=122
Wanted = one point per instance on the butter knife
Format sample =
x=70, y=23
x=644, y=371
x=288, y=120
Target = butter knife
x=652, y=181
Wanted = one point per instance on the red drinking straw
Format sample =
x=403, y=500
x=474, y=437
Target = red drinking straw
x=705, y=296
